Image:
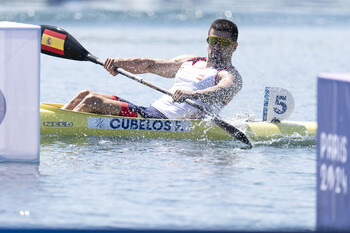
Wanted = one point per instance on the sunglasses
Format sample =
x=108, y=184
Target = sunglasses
x=223, y=42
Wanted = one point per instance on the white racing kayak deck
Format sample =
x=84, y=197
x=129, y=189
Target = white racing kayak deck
x=54, y=120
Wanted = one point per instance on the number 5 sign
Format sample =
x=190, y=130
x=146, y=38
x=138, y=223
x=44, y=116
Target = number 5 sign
x=278, y=104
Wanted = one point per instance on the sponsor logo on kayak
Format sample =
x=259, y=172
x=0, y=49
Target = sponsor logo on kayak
x=57, y=124
x=138, y=124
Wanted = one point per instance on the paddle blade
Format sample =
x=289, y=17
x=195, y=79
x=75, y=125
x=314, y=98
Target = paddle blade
x=57, y=42
x=233, y=131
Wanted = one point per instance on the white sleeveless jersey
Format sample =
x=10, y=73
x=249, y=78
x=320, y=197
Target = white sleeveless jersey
x=190, y=78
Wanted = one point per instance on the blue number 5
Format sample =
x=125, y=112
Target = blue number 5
x=279, y=101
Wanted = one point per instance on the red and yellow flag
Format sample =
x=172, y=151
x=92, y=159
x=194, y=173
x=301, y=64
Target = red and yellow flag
x=53, y=41
x=200, y=77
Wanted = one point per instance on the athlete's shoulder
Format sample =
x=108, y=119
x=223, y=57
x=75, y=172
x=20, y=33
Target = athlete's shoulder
x=231, y=74
x=183, y=58
x=231, y=71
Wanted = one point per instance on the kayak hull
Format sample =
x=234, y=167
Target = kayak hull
x=54, y=120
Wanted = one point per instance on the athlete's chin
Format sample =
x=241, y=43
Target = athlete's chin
x=216, y=56
x=215, y=53
x=217, y=60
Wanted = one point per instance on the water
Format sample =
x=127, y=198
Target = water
x=93, y=182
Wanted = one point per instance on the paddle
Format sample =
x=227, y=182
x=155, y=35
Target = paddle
x=59, y=43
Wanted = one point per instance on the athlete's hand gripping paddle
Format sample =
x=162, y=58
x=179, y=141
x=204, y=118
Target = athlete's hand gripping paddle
x=59, y=43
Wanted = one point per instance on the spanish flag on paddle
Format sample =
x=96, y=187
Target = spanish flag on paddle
x=57, y=42
x=53, y=41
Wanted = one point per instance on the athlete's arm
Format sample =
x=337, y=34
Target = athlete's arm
x=224, y=91
x=163, y=67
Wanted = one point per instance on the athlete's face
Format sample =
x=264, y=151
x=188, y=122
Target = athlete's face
x=219, y=49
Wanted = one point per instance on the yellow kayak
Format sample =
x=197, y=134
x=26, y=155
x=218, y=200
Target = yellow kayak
x=54, y=120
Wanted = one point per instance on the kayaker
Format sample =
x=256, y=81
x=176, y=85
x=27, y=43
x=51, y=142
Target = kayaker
x=211, y=81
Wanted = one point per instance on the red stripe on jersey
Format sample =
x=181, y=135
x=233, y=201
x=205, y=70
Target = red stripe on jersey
x=198, y=59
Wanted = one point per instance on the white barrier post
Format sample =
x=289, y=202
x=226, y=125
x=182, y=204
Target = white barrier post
x=19, y=92
x=333, y=146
